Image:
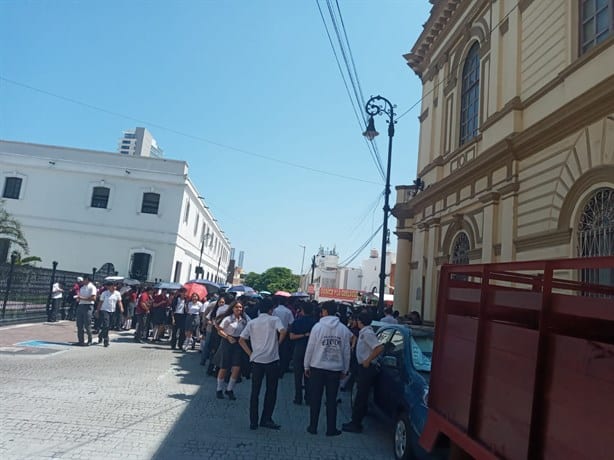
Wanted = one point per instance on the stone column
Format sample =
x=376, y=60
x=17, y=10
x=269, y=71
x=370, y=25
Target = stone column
x=402, y=278
x=490, y=225
x=508, y=209
x=430, y=286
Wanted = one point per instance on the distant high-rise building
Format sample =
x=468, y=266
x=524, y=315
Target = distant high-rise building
x=139, y=142
x=241, y=256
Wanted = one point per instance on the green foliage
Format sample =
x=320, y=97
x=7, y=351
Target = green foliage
x=10, y=229
x=26, y=261
x=273, y=279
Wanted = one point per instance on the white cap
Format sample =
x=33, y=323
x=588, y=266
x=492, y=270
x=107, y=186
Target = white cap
x=79, y=278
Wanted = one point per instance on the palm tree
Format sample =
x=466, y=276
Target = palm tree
x=10, y=229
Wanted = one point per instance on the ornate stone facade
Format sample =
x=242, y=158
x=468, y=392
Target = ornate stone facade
x=544, y=146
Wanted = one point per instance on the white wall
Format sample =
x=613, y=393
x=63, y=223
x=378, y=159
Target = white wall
x=55, y=210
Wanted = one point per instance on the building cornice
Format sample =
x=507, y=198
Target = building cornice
x=543, y=240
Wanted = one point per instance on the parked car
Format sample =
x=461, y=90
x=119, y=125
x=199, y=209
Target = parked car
x=401, y=388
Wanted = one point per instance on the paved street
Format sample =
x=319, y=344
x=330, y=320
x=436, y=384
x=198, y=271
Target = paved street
x=142, y=401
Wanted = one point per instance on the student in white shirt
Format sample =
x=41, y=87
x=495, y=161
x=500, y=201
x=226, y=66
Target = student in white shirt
x=109, y=301
x=192, y=320
x=231, y=324
x=264, y=356
x=85, y=307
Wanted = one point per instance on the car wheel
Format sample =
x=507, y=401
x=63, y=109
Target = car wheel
x=402, y=444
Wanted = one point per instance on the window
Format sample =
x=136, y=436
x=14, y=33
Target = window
x=596, y=22
x=196, y=224
x=151, y=203
x=100, y=197
x=177, y=276
x=186, y=216
x=12, y=187
x=470, y=95
x=139, y=266
x=460, y=250
x=596, y=234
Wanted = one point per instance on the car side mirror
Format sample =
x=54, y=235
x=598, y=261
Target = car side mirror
x=390, y=361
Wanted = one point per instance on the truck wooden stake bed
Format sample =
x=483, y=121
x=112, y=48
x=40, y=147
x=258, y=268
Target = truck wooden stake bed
x=523, y=364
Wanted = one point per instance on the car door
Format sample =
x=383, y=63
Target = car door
x=379, y=389
x=393, y=373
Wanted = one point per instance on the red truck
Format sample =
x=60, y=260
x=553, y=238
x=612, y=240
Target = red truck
x=523, y=362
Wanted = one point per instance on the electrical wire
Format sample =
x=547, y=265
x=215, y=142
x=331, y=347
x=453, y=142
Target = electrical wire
x=187, y=135
x=371, y=146
x=356, y=253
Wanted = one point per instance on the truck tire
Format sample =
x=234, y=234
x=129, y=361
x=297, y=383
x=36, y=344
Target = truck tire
x=401, y=441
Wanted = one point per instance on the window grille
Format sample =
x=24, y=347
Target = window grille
x=596, y=234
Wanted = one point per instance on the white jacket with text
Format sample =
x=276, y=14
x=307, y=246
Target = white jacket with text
x=329, y=346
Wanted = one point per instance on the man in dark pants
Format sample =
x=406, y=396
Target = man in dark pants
x=264, y=356
x=327, y=360
x=368, y=348
x=110, y=301
x=299, y=335
x=178, y=306
x=86, y=299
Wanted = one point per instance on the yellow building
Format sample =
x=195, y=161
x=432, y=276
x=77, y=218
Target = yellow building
x=516, y=139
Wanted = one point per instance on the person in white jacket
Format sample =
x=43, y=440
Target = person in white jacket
x=327, y=360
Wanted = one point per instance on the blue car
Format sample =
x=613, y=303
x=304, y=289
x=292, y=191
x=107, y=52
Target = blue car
x=401, y=387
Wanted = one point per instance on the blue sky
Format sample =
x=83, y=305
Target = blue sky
x=247, y=92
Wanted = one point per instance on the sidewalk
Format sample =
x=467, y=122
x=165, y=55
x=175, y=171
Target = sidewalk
x=38, y=338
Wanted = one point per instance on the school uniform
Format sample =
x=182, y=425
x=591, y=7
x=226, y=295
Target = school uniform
x=231, y=353
x=262, y=332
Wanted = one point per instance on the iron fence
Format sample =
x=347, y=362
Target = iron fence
x=25, y=292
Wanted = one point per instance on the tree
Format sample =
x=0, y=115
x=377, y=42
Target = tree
x=252, y=279
x=11, y=232
x=278, y=279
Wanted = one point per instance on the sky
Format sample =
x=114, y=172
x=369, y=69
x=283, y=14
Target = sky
x=248, y=93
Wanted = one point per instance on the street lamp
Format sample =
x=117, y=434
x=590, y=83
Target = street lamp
x=379, y=105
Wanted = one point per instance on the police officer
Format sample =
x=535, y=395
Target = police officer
x=367, y=349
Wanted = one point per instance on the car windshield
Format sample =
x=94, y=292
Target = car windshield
x=421, y=352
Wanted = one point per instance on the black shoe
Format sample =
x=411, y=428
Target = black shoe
x=89, y=342
x=298, y=402
x=106, y=342
x=253, y=426
x=231, y=395
x=138, y=340
x=79, y=344
x=351, y=427
x=311, y=430
x=270, y=424
x=333, y=433
x=220, y=394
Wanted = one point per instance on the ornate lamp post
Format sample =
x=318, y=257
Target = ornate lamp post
x=379, y=105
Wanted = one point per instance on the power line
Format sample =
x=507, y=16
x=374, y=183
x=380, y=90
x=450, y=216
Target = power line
x=356, y=253
x=183, y=134
x=370, y=145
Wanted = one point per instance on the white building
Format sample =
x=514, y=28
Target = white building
x=371, y=268
x=139, y=142
x=85, y=208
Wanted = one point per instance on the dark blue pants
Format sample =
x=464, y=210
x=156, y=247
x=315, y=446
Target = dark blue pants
x=320, y=380
x=259, y=372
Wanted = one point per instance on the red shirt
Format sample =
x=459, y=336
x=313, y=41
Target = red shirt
x=146, y=299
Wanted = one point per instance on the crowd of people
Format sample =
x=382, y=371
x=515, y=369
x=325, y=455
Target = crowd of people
x=328, y=347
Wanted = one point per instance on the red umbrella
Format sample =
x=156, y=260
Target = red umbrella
x=196, y=288
x=283, y=294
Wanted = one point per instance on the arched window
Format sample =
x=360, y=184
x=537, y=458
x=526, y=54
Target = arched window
x=470, y=95
x=596, y=22
x=596, y=234
x=460, y=249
